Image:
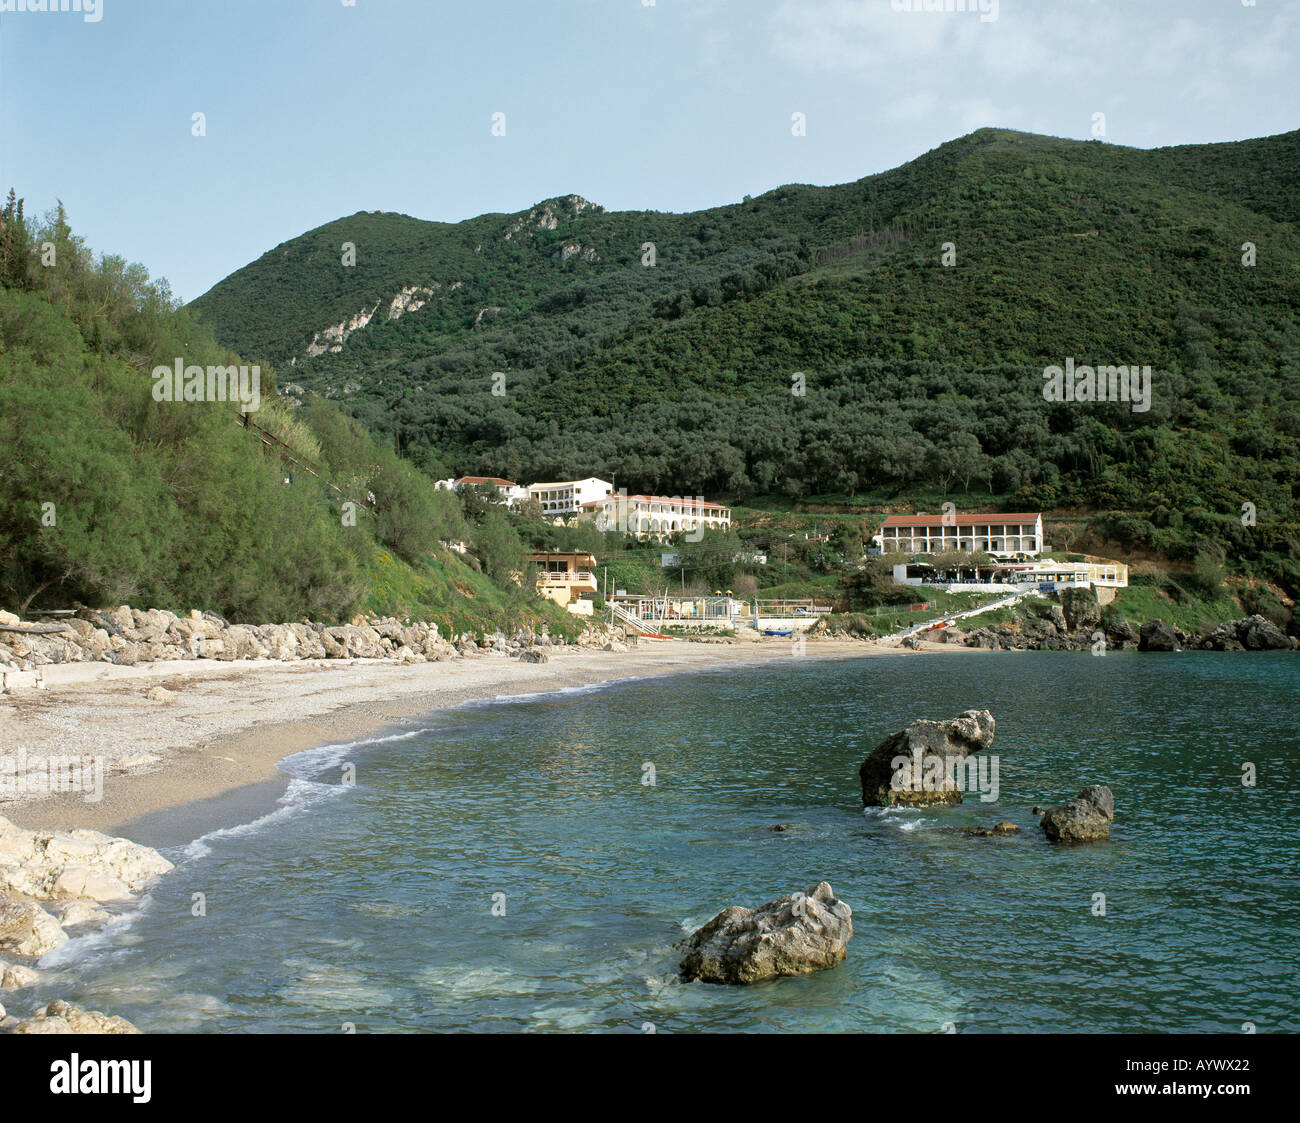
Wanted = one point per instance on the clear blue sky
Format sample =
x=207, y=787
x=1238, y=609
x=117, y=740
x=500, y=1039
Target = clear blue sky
x=317, y=110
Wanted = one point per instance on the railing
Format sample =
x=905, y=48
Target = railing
x=576, y=577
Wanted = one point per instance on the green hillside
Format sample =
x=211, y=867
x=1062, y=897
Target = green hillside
x=920, y=377
x=108, y=495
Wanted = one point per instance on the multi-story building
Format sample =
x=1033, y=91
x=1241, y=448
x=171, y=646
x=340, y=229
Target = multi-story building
x=999, y=535
x=511, y=492
x=565, y=499
x=656, y=516
x=569, y=579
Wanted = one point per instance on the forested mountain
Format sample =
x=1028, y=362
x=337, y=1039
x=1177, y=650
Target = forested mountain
x=680, y=376
x=110, y=494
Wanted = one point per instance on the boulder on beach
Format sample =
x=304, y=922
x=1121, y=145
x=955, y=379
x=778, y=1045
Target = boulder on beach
x=533, y=655
x=64, y=1017
x=792, y=935
x=1086, y=818
x=885, y=785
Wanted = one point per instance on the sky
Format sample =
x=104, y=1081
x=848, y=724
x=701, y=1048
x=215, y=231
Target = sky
x=317, y=109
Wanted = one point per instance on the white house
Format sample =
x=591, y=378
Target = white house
x=511, y=492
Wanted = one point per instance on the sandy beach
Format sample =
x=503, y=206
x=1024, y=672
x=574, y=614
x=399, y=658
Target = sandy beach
x=223, y=727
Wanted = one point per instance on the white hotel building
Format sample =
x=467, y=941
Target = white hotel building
x=565, y=499
x=998, y=535
x=656, y=516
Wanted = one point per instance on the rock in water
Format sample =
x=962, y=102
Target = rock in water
x=883, y=785
x=793, y=935
x=63, y=1017
x=1086, y=818
x=27, y=929
x=998, y=829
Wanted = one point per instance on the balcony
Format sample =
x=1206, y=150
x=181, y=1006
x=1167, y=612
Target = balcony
x=570, y=578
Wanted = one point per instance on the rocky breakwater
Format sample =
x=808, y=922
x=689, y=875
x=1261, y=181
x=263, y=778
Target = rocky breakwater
x=53, y=882
x=1251, y=633
x=793, y=935
x=1048, y=628
x=925, y=764
x=128, y=637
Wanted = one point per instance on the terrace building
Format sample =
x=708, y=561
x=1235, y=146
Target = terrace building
x=998, y=535
x=569, y=579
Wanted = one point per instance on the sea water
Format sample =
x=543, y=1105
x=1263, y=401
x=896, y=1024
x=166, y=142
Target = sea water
x=529, y=864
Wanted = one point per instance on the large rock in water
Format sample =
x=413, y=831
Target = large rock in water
x=1156, y=635
x=1086, y=818
x=793, y=935
x=959, y=738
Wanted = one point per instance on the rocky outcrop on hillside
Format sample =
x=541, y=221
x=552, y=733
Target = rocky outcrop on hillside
x=127, y=637
x=792, y=935
x=884, y=785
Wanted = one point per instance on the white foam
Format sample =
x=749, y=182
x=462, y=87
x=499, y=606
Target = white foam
x=298, y=797
x=80, y=947
x=312, y=762
x=558, y=692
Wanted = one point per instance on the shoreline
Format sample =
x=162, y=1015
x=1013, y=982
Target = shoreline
x=213, y=747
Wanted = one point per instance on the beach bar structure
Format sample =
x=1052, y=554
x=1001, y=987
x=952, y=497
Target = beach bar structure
x=1042, y=575
x=653, y=612
x=999, y=535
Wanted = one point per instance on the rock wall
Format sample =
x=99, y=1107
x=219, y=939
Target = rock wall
x=126, y=637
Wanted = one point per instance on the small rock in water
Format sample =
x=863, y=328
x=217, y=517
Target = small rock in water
x=792, y=935
x=1086, y=818
x=1002, y=828
x=783, y=827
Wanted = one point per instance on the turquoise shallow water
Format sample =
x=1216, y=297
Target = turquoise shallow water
x=371, y=905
